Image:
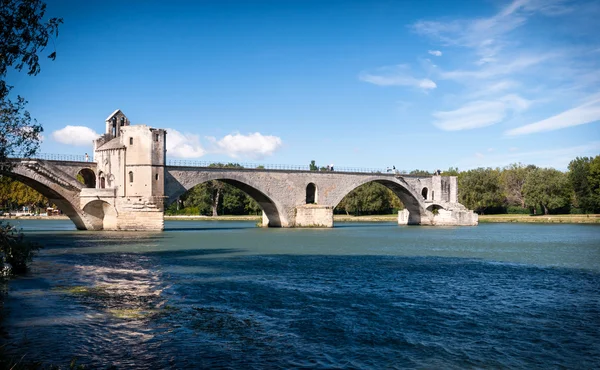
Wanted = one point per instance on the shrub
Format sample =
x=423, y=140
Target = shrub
x=516, y=210
x=14, y=249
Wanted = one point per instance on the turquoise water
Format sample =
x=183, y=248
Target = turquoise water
x=373, y=295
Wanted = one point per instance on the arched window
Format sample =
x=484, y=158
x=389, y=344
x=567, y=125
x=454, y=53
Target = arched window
x=311, y=194
x=130, y=176
x=424, y=193
x=102, y=182
x=130, y=141
x=122, y=121
x=114, y=126
x=156, y=177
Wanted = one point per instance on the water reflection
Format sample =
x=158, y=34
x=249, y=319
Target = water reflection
x=357, y=296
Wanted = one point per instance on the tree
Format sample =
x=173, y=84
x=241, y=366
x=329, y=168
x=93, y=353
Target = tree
x=313, y=166
x=24, y=36
x=594, y=184
x=513, y=178
x=420, y=173
x=480, y=189
x=452, y=171
x=580, y=177
x=548, y=188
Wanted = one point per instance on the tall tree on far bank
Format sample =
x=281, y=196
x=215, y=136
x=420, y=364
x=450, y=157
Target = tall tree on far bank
x=24, y=35
x=513, y=179
x=594, y=183
x=480, y=189
x=585, y=183
x=548, y=188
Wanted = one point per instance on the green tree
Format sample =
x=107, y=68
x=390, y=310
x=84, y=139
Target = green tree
x=548, y=188
x=580, y=177
x=480, y=189
x=420, y=173
x=452, y=171
x=513, y=179
x=594, y=184
x=312, y=166
x=24, y=36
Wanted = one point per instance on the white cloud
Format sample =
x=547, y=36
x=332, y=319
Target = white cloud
x=75, y=135
x=396, y=76
x=585, y=113
x=253, y=145
x=479, y=113
x=183, y=145
x=436, y=53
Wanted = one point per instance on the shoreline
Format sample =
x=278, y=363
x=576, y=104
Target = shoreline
x=500, y=218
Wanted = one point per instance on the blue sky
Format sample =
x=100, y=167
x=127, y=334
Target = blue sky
x=414, y=84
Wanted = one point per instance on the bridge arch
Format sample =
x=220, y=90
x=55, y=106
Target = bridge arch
x=412, y=201
x=271, y=209
x=102, y=214
x=64, y=194
x=88, y=176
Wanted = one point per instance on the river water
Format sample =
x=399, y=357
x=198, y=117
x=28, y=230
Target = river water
x=361, y=295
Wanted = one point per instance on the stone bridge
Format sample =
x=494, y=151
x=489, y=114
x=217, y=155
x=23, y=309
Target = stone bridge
x=128, y=183
x=307, y=198
x=287, y=198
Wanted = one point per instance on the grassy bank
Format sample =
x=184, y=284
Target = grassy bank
x=546, y=219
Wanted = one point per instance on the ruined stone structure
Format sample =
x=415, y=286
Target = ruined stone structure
x=128, y=185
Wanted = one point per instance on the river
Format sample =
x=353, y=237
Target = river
x=207, y=294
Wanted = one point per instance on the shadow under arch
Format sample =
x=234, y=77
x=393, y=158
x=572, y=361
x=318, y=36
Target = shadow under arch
x=409, y=197
x=102, y=213
x=89, y=177
x=266, y=204
x=66, y=207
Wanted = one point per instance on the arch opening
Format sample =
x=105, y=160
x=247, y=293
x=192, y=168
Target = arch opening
x=311, y=193
x=87, y=177
x=424, y=193
x=209, y=191
x=102, y=214
x=53, y=196
x=411, y=200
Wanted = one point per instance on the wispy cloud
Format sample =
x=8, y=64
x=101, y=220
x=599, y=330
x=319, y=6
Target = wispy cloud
x=486, y=35
x=479, y=113
x=436, y=53
x=254, y=145
x=586, y=113
x=398, y=75
x=75, y=135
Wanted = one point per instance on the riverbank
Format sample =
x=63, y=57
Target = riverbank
x=546, y=219
x=549, y=219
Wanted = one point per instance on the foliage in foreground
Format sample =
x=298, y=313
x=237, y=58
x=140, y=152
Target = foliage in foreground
x=14, y=249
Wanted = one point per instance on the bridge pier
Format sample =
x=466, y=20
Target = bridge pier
x=314, y=215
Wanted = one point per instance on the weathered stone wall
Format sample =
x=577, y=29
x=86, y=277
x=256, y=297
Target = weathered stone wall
x=313, y=215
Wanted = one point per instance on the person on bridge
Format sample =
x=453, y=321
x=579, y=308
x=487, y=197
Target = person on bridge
x=87, y=157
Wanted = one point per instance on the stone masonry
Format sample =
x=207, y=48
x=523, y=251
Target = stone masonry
x=128, y=184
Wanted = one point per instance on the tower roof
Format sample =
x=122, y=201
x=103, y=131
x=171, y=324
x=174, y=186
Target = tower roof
x=114, y=114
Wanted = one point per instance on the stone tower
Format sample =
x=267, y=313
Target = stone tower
x=130, y=178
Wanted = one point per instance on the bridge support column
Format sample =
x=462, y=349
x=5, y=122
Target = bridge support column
x=314, y=215
x=440, y=217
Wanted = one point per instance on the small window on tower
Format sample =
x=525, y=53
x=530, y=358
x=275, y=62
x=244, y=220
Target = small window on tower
x=156, y=176
x=156, y=137
x=130, y=141
x=130, y=176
